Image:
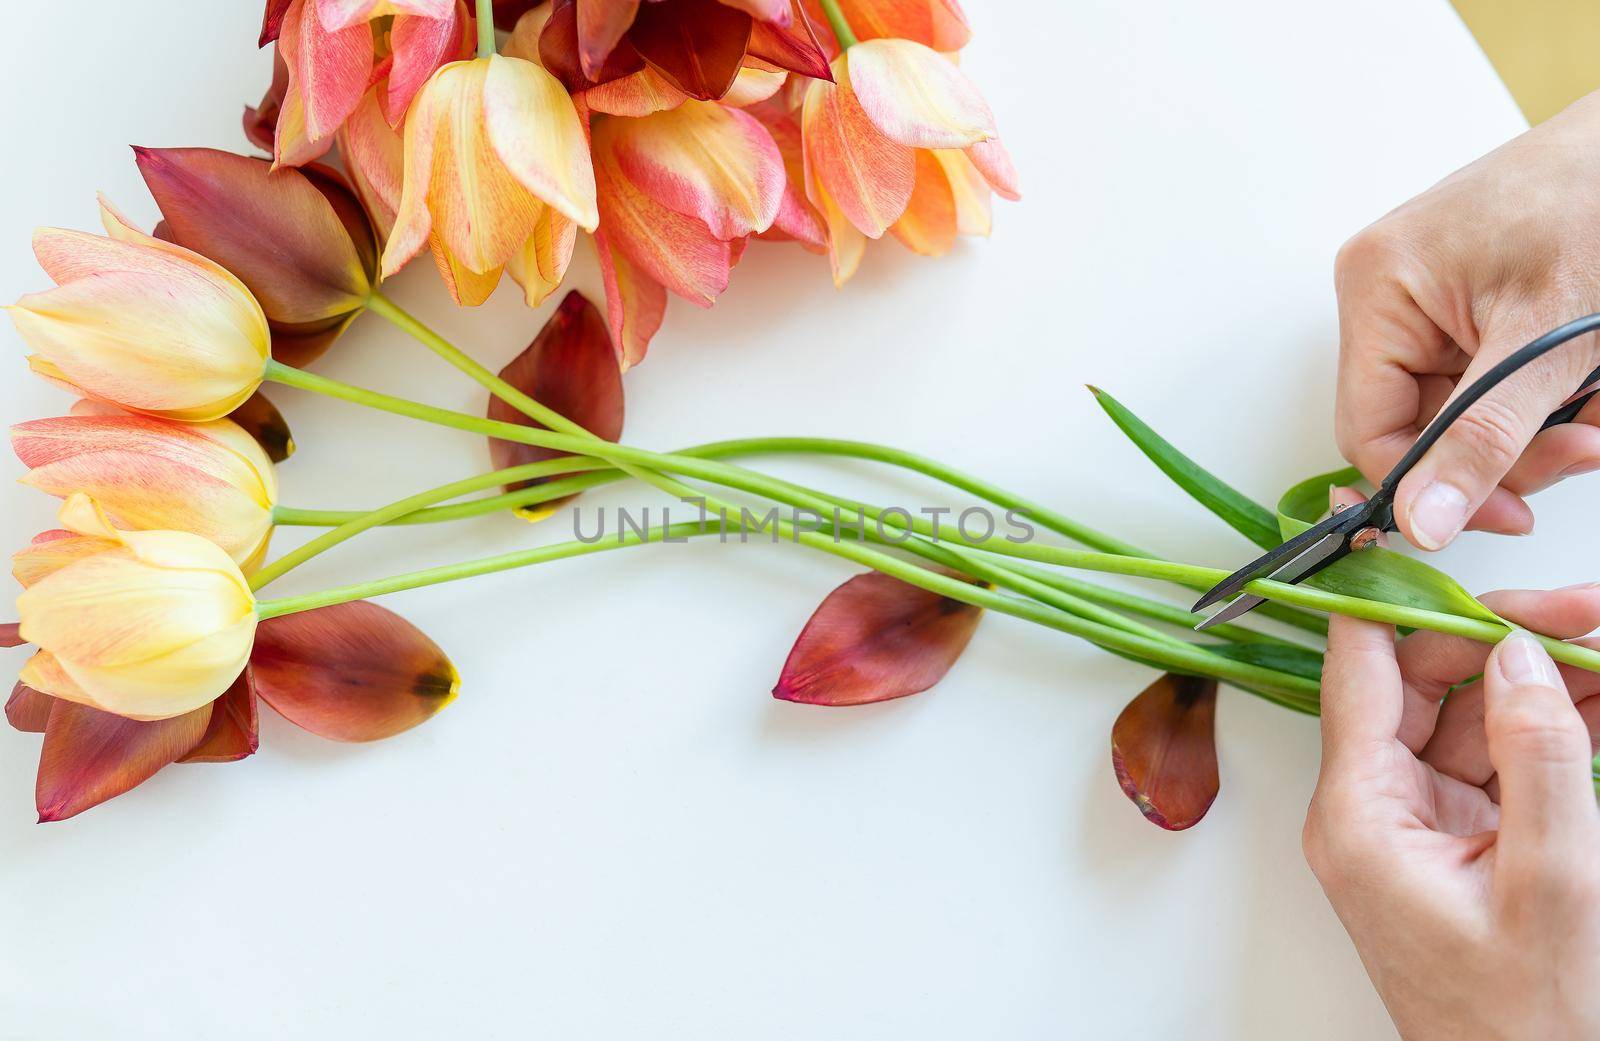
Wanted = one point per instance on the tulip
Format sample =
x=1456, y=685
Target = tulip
x=1164, y=750
x=939, y=24
x=876, y=638
x=698, y=47
x=497, y=173
x=298, y=239
x=680, y=192
x=142, y=323
x=329, y=57
x=901, y=141
x=209, y=479
x=374, y=156
x=144, y=624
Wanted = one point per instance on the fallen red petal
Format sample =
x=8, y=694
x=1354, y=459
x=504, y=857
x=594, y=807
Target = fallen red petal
x=90, y=756
x=27, y=709
x=873, y=639
x=231, y=733
x=1164, y=749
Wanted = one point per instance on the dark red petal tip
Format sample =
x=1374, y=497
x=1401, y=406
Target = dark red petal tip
x=1164, y=750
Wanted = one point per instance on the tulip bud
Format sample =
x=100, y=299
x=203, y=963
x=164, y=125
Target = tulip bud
x=142, y=323
x=148, y=624
x=495, y=164
x=298, y=239
x=209, y=479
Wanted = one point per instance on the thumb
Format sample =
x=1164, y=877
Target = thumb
x=1461, y=471
x=1539, y=746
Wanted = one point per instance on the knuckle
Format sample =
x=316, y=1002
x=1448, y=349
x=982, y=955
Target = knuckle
x=1536, y=737
x=1375, y=249
x=1495, y=430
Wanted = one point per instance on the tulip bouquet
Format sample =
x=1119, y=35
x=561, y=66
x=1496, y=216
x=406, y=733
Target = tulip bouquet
x=674, y=131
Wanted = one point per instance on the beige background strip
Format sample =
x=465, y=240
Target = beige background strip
x=1547, y=51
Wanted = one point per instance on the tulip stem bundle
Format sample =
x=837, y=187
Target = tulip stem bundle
x=1013, y=588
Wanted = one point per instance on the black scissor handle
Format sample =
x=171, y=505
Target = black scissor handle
x=1383, y=499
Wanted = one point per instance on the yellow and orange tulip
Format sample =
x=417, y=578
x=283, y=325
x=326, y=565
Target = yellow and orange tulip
x=497, y=174
x=901, y=141
x=142, y=323
x=209, y=479
x=144, y=624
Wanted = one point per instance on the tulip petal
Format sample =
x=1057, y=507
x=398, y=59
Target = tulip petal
x=536, y=131
x=705, y=161
x=873, y=639
x=231, y=732
x=849, y=163
x=939, y=24
x=635, y=302
x=90, y=756
x=272, y=21
x=918, y=97
x=261, y=120
x=260, y=418
x=601, y=23
x=542, y=265
x=675, y=250
x=468, y=288
x=1164, y=750
x=796, y=219
x=51, y=551
x=969, y=190
x=569, y=367
x=637, y=94
x=697, y=44
x=351, y=672
x=276, y=231
x=420, y=45
x=794, y=46
x=559, y=50
x=994, y=163
x=28, y=710
x=774, y=11
x=328, y=74
x=929, y=224
x=374, y=156
x=753, y=86
x=341, y=14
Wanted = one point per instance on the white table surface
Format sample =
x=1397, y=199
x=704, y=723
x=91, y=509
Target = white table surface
x=616, y=832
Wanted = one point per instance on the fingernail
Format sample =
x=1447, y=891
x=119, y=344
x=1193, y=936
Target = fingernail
x=1525, y=664
x=1438, y=515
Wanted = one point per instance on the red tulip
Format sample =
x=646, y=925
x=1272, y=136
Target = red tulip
x=873, y=639
x=1164, y=750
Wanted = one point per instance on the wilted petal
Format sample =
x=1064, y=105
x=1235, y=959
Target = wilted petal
x=918, y=97
x=775, y=11
x=272, y=21
x=90, y=756
x=231, y=732
x=27, y=709
x=929, y=224
x=635, y=302
x=341, y=14
x=351, y=672
x=374, y=156
x=1164, y=749
x=697, y=44
x=849, y=163
x=278, y=232
x=558, y=48
x=673, y=249
x=876, y=638
x=706, y=161
x=261, y=120
x=994, y=163
x=601, y=24
x=794, y=46
x=570, y=367
x=260, y=418
x=419, y=46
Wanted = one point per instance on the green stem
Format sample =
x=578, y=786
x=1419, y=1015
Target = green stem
x=840, y=27
x=486, y=41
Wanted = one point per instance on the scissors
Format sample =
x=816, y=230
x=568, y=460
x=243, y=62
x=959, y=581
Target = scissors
x=1355, y=528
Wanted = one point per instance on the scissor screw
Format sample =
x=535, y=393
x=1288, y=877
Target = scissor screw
x=1366, y=538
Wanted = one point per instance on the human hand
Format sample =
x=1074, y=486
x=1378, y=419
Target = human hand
x=1460, y=845
x=1436, y=292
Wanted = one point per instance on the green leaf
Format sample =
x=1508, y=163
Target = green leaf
x=1374, y=574
x=1281, y=657
x=1246, y=516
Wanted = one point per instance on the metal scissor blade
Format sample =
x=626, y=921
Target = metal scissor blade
x=1309, y=560
x=1277, y=557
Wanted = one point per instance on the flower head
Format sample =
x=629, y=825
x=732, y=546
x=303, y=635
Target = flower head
x=496, y=173
x=149, y=474
x=145, y=624
x=143, y=323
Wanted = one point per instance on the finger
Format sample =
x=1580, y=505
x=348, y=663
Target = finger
x=1540, y=750
x=1457, y=476
x=1360, y=692
x=1562, y=451
x=1432, y=663
x=1503, y=512
x=1459, y=747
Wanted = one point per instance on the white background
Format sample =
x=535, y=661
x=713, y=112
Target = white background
x=616, y=832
